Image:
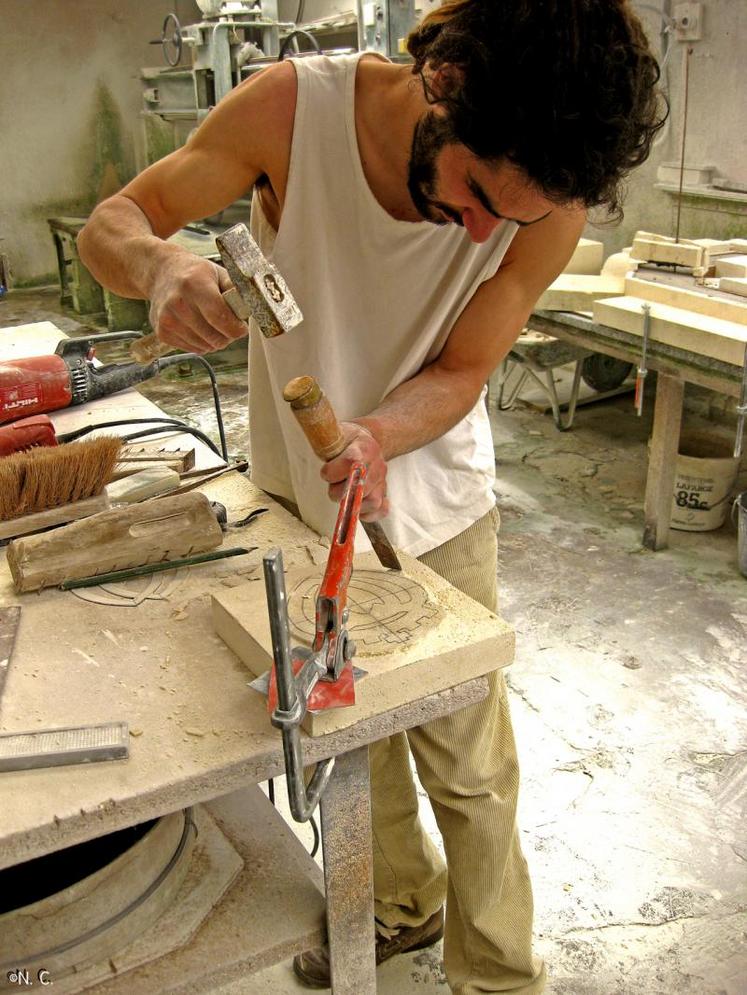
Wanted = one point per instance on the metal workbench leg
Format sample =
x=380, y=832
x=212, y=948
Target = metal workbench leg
x=662, y=460
x=348, y=875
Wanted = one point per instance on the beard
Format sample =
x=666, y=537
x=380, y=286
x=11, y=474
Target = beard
x=432, y=133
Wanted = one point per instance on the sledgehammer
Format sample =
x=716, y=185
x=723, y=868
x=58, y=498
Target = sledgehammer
x=258, y=292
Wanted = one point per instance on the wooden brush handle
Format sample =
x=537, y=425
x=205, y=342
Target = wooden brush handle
x=150, y=347
x=314, y=414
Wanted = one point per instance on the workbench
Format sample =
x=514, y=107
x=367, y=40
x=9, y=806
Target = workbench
x=198, y=736
x=674, y=367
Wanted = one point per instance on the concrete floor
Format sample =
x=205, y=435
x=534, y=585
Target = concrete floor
x=628, y=694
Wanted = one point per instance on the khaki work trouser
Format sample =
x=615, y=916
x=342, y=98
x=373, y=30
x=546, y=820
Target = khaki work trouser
x=467, y=764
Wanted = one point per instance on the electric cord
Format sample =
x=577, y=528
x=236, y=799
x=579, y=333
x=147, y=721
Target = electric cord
x=315, y=830
x=312, y=820
x=163, y=422
x=297, y=33
x=668, y=24
x=192, y=357
x=164, y=363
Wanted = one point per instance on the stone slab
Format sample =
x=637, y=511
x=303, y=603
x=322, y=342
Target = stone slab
x=732, y=266
x=701, y=300
x=690, y=175
x=620, y=264
x=670, y=252
x=411, y=629
x=586, y=258
x=734, y=285
x=712, y=337
x=572, y=292
x=714, y=246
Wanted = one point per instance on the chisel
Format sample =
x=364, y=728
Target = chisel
x=314, y=414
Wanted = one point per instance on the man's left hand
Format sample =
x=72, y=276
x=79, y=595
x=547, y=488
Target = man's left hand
x=360, y=447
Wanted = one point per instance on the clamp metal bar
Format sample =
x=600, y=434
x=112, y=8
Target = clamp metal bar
x=293, y=692
x=741, y=411
x=642, y=368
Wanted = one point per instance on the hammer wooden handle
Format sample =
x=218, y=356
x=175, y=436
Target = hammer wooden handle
x=315, y=416
x=150, y=347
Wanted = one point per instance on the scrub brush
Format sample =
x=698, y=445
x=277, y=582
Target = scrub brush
x=51, y=485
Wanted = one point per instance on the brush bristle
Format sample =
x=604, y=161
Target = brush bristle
x=51, y=476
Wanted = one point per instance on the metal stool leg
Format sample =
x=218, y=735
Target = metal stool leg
x=510, y=363
x=561, y=425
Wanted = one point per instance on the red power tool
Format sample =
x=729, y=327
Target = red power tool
x=27, y=433
x=37, y=384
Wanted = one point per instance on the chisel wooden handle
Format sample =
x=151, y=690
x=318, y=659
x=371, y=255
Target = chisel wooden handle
x=315, y=416
x=150, y=347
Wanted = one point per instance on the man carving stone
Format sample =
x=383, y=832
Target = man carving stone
x=417, y=212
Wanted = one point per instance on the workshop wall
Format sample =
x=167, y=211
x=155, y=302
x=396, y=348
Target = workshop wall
x=716, y=132
x=70, y=113
x=72, y=131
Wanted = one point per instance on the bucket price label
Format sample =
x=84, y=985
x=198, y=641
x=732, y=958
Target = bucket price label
x=691, y=499
x=694, y=493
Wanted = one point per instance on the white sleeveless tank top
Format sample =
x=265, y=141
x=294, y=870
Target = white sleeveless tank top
x=379, y=298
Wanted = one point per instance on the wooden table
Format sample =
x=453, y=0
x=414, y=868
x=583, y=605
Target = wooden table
x=201, y=736
x=674, y=367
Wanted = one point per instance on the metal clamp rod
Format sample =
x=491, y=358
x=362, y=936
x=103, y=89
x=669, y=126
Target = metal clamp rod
x=292, y=695
x=642, y=368
x=741, y=411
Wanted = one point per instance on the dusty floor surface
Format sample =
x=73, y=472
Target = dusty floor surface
x=628, y=694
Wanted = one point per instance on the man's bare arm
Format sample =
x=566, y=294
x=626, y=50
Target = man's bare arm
x=247, y=135
x=427, y=406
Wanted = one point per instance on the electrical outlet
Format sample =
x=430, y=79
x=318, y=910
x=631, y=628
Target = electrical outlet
x=688, y=21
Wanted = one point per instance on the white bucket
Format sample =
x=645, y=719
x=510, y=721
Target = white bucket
x=705, y=476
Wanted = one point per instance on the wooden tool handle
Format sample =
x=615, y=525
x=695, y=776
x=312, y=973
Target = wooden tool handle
x=150, y=347
x=315, y=416
x=131, y=536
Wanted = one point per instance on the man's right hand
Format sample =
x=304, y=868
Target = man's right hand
x=187, y=310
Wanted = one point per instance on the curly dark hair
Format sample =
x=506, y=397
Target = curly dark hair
x=564, y=89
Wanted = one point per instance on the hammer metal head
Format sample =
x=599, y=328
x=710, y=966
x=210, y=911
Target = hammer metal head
x=262, y=289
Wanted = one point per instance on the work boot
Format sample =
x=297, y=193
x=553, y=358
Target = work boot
x=312, y=967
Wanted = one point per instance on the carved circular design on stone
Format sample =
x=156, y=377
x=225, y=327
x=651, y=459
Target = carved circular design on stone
x=387, y=610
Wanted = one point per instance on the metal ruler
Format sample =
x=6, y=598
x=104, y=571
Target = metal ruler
x=57, y=747
x=53, y=747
